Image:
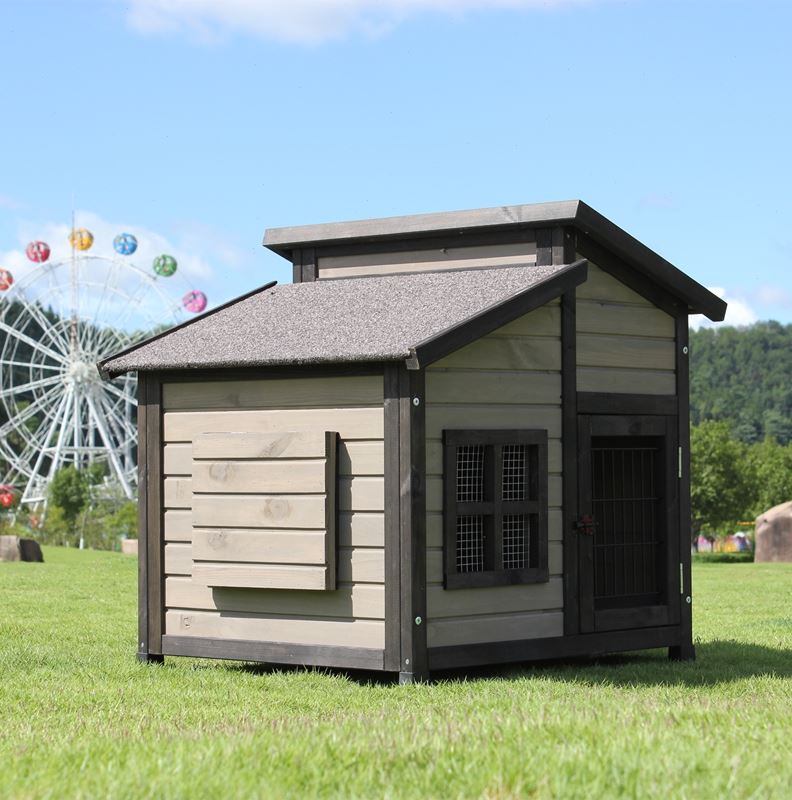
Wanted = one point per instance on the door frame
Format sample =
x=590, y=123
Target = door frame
x=667, y=613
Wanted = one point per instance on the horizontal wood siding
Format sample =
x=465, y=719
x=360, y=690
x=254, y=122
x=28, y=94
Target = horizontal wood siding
x=624, y=343
x=353, y=614
x=508, y=379
x=355, y=266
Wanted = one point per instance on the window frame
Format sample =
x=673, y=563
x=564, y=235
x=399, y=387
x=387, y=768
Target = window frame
x=493, y=507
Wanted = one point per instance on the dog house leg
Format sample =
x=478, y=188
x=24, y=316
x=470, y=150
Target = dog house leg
x=151, y=658
x=682, y=652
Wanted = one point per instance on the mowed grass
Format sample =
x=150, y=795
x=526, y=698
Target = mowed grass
x=79, y=717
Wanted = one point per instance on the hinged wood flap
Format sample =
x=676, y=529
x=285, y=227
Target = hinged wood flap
x=264, y=509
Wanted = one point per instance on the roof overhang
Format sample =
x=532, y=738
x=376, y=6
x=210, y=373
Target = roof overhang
x=575, y=213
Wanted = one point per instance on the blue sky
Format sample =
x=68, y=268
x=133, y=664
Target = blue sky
x=199, y=123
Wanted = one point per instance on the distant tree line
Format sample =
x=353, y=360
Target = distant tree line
x=743, y=377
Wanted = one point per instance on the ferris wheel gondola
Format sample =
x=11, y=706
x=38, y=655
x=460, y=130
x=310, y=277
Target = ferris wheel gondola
x=56, y=322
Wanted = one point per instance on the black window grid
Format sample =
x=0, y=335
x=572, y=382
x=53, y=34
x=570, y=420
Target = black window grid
x=509, y=545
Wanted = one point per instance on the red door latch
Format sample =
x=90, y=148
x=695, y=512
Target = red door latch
x=585, y=525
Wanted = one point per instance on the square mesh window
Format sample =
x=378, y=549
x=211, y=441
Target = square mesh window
x=470, y=473
x=514, y=472
x=470, y=543
x=516, y=528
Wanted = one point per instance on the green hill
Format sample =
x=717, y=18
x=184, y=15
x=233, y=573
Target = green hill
x=744, y=377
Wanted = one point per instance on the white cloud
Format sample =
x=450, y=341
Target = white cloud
x=738, y=312
x=305, y=21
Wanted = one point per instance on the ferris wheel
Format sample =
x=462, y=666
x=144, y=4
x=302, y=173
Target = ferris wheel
x=56, y=322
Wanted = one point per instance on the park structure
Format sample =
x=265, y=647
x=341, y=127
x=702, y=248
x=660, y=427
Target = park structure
x=456, y=439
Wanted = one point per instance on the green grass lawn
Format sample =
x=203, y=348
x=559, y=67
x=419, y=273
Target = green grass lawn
x=79, y=717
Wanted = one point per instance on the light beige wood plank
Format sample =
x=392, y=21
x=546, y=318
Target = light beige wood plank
x=495, y=628
x=177, y=525
x=434, y=562
x=351, y=423
x=263, y=546
x=248, y=444
x=627, y=381
x=361, y=494
x=177, y=492
x=544, y=321
x=602, y=286
x=306, y=476
x=496, y=600
x=434, y=492
x=361, y=529
x=602, y=317
x=434, y=455
x=335, y=392
x=489, y=386
x=434, y=527
x=208, y=624
x=273, y=511
x=502, y=353
x=177, y=459
x=361, y=565
x=624, y=352
x=178, y=559
x=427, y=260
x=360, y=600
x=361, y=458
x=260, y=576
x=439, y=417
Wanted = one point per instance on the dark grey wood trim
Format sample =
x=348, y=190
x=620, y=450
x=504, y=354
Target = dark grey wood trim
x=310, y=269
x=436, y=347
x=296, y=259
x=273, y=652
x=685, y=649
x=461, y=238
x=629, y=276
x=593, y=644
x=259, y=373
x=155, y=552
x=695, y=297
x=412, y=472
x=108, y=374
x=143, y=606
x=614, y=403
x=544, y=247
x=569, y=458
x=392, y=412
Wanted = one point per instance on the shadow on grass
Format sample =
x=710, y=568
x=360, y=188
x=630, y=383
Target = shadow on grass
x=716, y=662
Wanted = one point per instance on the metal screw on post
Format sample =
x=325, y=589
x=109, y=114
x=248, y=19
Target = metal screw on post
x=416, y=401
x=685, y=349
x=418, y=620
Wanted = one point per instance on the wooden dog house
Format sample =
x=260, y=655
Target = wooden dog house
x=455, y=439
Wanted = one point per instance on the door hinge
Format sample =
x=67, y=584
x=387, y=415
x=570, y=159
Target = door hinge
x=679, y=470
x=681, y=578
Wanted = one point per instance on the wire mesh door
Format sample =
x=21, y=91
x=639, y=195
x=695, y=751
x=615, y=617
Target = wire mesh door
x=629, y=544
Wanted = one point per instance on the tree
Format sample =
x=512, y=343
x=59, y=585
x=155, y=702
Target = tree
x=723, y=479
x=69, y=491
x=772, y=465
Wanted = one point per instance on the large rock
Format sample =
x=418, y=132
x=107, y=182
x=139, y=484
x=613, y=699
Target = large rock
x=9, y=548
x=774, y=534
x=30, y=550
x=129, y=547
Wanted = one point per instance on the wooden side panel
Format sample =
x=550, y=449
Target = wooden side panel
x=625, y=344
x=476, y=257
x=286, y=419
x=508, y=379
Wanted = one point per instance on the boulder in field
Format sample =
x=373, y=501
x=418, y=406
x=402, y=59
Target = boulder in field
x=30, y=550
x=774, y=534
x=9, y=548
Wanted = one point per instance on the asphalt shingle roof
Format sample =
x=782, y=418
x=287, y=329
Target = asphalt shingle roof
x=332, y=321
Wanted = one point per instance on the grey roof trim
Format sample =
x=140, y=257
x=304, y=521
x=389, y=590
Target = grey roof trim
x=283, y=240
x=698, y=298
x=108, y=374
x=489, y=319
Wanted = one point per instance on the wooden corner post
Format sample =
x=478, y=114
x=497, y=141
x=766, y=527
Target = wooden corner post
x=684, y=651
x=150, y=546
x=405, y=523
